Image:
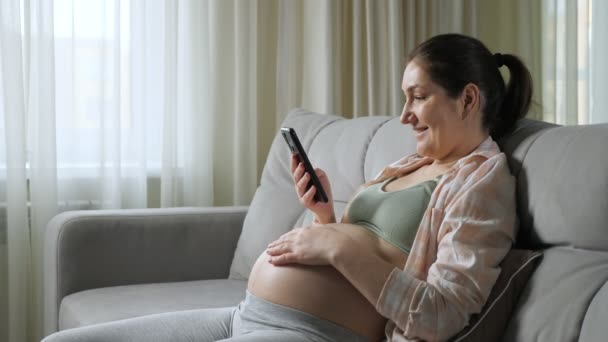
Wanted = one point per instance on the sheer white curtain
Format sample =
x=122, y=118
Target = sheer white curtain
x=96, y=98
x=27, y=112
x=123, y=104
x=574, y=73
x=598, y=78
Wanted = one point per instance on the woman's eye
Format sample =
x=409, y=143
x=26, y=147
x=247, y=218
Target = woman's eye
x=416, y=98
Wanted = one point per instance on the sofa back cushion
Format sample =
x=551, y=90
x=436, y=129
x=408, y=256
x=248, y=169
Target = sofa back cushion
x=562, y=187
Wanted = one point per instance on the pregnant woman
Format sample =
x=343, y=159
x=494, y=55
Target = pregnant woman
x=418, y=247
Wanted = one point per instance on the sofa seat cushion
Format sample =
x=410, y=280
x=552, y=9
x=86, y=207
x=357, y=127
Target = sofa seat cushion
x=119, y=302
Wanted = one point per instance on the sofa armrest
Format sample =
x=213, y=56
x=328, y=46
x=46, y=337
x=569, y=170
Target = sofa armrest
x=92, y=249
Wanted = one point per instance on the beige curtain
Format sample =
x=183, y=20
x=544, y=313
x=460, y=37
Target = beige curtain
x=347, y=57
x=514, y=26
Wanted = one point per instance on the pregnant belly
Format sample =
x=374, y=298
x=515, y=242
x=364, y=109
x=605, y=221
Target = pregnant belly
x=322, y=290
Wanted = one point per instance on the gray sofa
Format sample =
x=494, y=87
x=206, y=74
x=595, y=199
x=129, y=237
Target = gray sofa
x=104, y=266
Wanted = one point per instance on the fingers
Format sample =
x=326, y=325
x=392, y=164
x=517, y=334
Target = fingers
x=282, y=259
x=298, y=173
x=288, y=248
x=274, y=243
x=305, y=192
x=301, y=178
x=320, y=173
x=283, y=238
x=278, y=249
x=280, y=253
x=302, y=183
x=294, y=162
x=308, y=197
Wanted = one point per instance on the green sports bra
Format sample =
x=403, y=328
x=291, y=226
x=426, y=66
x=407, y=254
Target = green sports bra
x=393, y=216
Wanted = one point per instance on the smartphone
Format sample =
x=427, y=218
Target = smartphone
x=296, y=148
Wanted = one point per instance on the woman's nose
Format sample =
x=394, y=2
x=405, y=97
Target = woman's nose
x=406, y=116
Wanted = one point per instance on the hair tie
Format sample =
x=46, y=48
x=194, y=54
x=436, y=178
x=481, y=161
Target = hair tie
x=499, y=60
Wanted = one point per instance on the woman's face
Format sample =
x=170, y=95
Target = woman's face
x=437, y=119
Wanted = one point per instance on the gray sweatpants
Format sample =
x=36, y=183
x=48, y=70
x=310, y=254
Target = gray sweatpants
x=254, y=320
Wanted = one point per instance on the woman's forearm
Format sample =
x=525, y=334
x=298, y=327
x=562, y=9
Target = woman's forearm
x=365, y=271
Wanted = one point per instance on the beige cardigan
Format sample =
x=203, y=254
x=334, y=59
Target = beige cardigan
x=466, y=231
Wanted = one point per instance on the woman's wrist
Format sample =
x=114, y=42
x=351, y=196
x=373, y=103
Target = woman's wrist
x=324, y=220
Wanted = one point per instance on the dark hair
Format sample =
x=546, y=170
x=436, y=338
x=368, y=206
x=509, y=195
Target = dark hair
x=454, y=60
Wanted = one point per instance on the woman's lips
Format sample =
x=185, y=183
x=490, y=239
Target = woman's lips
x=420, y=131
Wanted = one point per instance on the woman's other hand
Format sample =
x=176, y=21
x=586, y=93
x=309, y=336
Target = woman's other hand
x=313, y=245
x=324, y=212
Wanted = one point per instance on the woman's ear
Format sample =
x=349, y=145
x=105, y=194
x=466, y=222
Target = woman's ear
x=470, y=100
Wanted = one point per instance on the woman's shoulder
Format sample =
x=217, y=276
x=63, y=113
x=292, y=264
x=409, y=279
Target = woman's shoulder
x=485, y=168
x=483, y=178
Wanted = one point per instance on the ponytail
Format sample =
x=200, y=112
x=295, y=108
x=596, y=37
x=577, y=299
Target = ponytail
x=517, y=97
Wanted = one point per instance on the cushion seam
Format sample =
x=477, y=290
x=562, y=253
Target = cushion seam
x=389, y=119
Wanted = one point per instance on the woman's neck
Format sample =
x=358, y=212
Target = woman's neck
x=462, y=151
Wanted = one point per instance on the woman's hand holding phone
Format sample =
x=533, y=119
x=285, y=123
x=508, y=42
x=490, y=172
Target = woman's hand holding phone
x=324, y=212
